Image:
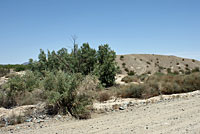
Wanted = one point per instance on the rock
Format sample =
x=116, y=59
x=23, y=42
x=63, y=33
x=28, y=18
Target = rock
x=39, y=121
x=29, y=120
x=59, y=116
x=121, y=108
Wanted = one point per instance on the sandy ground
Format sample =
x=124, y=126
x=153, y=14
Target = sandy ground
x=178, y=116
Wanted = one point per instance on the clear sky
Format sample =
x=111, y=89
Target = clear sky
x=170, y=27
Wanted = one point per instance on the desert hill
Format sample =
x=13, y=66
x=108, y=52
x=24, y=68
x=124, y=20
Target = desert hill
x=150, y=63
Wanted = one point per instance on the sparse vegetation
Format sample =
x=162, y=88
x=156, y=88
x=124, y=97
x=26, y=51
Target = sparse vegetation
x=4, y=71
x=131, y=73
x=163, y=84
x=122, y=57
x=126, y=69
x=123, y=65
x=129, y=79
x=148, y=63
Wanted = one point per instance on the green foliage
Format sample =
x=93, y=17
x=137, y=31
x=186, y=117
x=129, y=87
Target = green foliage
x=106, y=67
x=87, y=59
x=84, y=60
x=64, y=93
x=169, y=70
x=4, y=71
x=196, y=69
x=131, y=73
x=16, y=67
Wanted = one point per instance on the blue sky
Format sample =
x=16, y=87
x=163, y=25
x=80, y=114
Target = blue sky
x=170, y=27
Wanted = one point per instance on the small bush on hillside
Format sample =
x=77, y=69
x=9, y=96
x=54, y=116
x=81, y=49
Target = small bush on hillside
x=128, y=79
x=175, y=72
x=121, y=57
x=193, y=60
x=126, y=69
x=131, y=73
x=169, y=70
x=196, y=69
x=20, y=68
x=148, y=63
x=123, y=65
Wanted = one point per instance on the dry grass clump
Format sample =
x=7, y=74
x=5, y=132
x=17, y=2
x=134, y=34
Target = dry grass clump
x=162, y=84
x=132, y=91
x=128, y=79
x=104, y=96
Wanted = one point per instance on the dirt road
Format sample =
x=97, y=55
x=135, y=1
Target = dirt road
x=179, y=116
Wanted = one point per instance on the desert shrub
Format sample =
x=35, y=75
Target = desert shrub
x=149, y=72
x=143, y=77
x=4, y=71
x=196, y=69
x=175, y=72
x=148, y=62
x=66, y=97
x=177, y=63
x=18, y=90
x=128, y=79
x=126, y=69
x=169, y=70
x=104, y=96
x=187, y=72
x=182, y=71
x=90, y=82
x=123, y=65
x=170, y=88
x=20, y=68
x=133, y=91
x=131, y=73
x=158, y=74
x=193, y=60
x=121, y=57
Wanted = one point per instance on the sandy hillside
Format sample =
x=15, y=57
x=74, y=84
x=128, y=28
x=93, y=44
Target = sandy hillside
x=143, y=63
x=178, y=116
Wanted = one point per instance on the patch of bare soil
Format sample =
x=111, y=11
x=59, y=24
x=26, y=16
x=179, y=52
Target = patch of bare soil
x=169, y=114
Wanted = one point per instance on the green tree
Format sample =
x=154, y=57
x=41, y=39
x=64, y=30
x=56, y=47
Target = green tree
x=106, y=67
x=87, y=59
x=42, y=63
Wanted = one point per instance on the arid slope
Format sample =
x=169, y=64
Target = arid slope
x=144, y=63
